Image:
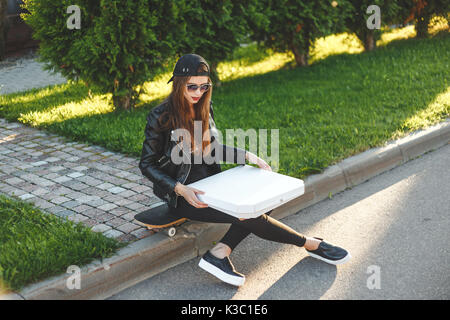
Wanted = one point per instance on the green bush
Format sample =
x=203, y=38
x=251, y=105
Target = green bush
x=295, y=24
x=120, y=45
x=421, y=12
x=357, y=22
x=214, y=29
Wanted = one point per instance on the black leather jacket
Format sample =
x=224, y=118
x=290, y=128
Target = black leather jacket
x=156, y=162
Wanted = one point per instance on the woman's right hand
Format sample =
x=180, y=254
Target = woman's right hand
x=189, y=194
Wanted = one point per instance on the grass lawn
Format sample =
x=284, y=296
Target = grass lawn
x=35, y=245
x=343, y=104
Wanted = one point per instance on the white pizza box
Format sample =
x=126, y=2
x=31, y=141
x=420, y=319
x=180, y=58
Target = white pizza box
x=248, y=192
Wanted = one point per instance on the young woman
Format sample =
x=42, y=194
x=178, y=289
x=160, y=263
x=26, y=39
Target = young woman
x=189, y=101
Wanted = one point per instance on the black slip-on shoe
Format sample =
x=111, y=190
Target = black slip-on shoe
x=329, y=253
x=222, y=269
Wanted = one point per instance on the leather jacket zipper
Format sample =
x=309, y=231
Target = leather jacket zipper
x=164, y=164
x=184, y=180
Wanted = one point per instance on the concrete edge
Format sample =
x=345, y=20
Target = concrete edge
x=157, y=253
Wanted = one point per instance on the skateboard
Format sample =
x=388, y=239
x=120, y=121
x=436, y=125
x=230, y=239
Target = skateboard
x=158, y=218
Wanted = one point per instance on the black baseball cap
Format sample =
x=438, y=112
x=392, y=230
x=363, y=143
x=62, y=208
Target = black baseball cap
x=188, y=64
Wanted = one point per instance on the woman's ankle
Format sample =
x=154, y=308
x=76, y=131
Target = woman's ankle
x=311, y=244
x=220, y=250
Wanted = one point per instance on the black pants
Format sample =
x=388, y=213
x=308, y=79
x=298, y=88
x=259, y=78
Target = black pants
x=263, y=226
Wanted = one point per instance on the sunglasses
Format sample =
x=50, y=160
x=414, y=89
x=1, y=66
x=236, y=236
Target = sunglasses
x=203, y=88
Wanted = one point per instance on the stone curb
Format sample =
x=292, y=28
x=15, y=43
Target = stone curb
x=157, y=253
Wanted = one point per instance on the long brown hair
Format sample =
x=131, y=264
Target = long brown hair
x=178, y=114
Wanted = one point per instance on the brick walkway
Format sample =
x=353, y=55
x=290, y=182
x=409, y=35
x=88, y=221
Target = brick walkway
x=88, y=184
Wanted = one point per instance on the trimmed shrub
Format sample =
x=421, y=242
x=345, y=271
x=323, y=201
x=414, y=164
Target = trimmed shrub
x=119, y=45
x=421, y=12
x=357, y=22
x=215, y=28
x=295, y=24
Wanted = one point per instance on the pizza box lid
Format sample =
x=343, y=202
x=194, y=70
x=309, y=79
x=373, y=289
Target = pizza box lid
x=247, y=192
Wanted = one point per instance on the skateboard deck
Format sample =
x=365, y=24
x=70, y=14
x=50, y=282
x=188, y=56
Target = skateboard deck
x=158, y=218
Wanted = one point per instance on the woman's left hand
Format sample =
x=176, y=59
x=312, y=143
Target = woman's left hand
x=253, y=158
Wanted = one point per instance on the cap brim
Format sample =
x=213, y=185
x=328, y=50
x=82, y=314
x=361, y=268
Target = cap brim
x=170, y=79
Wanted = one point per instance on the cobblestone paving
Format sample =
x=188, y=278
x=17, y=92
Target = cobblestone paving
x=87, y=184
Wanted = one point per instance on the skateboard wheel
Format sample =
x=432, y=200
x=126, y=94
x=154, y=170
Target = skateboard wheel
x=171, y=231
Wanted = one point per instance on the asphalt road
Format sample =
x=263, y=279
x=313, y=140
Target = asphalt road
x=396, y=227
